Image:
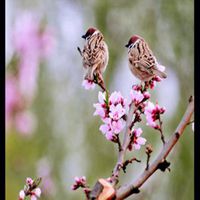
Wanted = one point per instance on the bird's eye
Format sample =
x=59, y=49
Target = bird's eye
x=88, y=37
x=130, y=46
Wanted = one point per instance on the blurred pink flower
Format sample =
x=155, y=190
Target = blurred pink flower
x=88, y=85
x=47, y=42
x=30, y=189
x=29, y=38
x=32, y=43
x=29, y=181
x=25, y=122
x=21, y=195
x=25, y=34
x=35, y=194
x=44, y=171
x=27, y=77
x=12, y=98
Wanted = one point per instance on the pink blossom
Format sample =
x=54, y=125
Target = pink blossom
x=137, y=87
x=111, y=114
x=101, y=106
x=136, y=96
x=116, y=112
x=117, y=126
x=110, y=128
x=106, y=129
x=30, y=189
x=37, y=192
x=116, y=98
x=136, y=141
x=79, y=182
x=149, y=107
x=102, y=97
x=29, y=181
x=21, y=195
x=33, y=197
x=150, y=121
x=153, y=81
x=100, y=110
x=88, y=85
x=152, y=113
x=110, y=136
x=146, y=95
x=157, y=79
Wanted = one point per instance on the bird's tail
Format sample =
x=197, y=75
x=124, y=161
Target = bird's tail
x=160, y=71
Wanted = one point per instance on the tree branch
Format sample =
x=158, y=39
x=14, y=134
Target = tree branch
x=125, y=144
x=133, y=187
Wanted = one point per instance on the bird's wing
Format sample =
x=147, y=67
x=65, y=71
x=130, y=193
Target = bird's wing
x=94, y=56
x=146, y=65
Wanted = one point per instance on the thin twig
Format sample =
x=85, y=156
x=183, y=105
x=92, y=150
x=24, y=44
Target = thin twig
x=190, y=122
x=124, y=165
x=129, y=189
x=129, y=124
x=148, y=151
x=125, y=144
x=119, y=143
x=161, y=131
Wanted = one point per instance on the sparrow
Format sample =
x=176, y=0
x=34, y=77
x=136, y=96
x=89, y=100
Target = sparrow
x=95, y=54
x=141, y=60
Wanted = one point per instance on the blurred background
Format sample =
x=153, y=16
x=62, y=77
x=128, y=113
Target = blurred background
x=50, y=128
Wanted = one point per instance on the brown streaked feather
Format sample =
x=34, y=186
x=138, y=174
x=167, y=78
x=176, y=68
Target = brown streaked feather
x=94, y=55
x=142, y=62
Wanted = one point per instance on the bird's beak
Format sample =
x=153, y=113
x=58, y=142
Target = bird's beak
x=83, y=36
x=126, y=45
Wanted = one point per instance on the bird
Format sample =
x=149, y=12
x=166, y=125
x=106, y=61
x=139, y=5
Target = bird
x=141, y=60
x=95, y=54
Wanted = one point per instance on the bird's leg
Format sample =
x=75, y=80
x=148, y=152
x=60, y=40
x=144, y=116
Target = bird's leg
x=146, y=85
x=100, y=81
